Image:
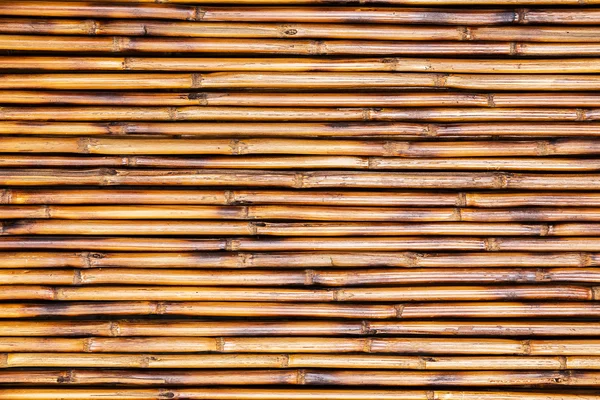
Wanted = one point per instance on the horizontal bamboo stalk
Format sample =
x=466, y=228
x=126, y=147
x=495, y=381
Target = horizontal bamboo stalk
x=478, y=66
x=307, y=357
x=280, y=394
x=99, y=27
x=299, y=179
x=283, y=308
x=296, y=80
x=205, y=335
x=277, y=277
x=76, y=377
x=386, y=148
x=304, y=14
x=327, y=229
x=209, y=294
x=364, y=129
x=264, y=14
x=335, y=259
x=358, y=244
x=332, y=213
x=311, y=162
x=407, y=99
x=206, y=113
x=261, y=196
x=122, y=44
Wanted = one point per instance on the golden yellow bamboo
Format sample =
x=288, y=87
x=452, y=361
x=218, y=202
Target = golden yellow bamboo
x=398, y=64
x=291, y=377
x=288, y=259
x=297, y=80
x=298, y=99
x=557, y=34
x=194, y=335
x=277, y=277
x=16, y=195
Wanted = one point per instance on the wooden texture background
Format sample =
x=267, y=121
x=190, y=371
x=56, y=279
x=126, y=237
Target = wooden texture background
x=300, y=199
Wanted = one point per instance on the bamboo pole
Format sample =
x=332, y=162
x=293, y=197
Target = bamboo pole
x=16, y=195
x=288, y=259
x=484, y=217
x=311, y=162
x=193, y=335
x=124, y=44
x=325, y=229
x=381, y=129
x=299, y=179
x=76, y=377
x=306, y=358
x=281, y=212
x=285, y=309
x=308, y=277
x=296, y=80
x=207, y=113
x=292, y=244
x=237, y=294
x=478, y=66
x=280, y=394
x=100, y=27
x=298, y=99
x=252, y=146
x=381, y=2
x=262, y=14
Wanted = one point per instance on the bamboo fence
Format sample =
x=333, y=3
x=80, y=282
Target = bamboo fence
x=300, y=199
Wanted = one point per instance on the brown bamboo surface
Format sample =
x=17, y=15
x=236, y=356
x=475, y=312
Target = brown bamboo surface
x=300, y=199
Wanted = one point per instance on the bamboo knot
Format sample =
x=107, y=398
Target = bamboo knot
x=491, y=244
x=3, y=360
x=5, y=196
x=198, y=14
x=595, y=292
x=78, y=277
x=462, y=199
x=309, y=277
x=466, y=33
x=93, y=27
x=526, y=347
x=520, y=16
x=301, y=376
x=399, y=308
x=196, y=80
x=114, y=328
x=220, y=344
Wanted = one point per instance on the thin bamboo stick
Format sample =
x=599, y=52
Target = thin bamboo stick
x=233, y=294
x=281, y=212
x=251, y=146
x=299, y=179
x=301, y=377
x=276, y=277
x=264, y=14
x=408, y=99
x=331, y=229
x=15, y=195
x=121, y=44
x=478, y=66
x=311, y=162
x=282, y=309
x=556, y=34
x=483, y=216
x=367, y=129
x=207, y=113
x=295, y=80
x=364, y=244
x=280, y=394
x=330, y=259
x=205, y=335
